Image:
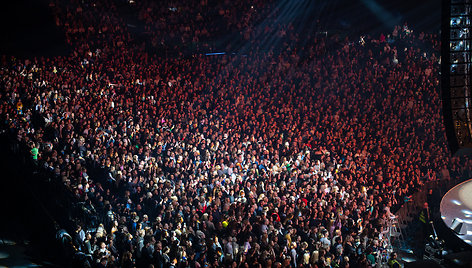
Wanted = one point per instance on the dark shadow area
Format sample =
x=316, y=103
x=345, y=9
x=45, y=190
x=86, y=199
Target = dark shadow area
x=29, y=207
x=28, y=29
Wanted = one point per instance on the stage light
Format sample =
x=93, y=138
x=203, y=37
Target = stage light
x=467, y=212
x=457, y=225
x=215, y=53
x=406, y=259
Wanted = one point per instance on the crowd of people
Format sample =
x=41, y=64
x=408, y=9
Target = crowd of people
x=292, y=157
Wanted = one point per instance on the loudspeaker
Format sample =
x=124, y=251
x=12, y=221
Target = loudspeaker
x=456, y=73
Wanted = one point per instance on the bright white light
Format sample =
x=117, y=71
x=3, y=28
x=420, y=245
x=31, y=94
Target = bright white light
x=457, y=202
x=468, y=221
x=467, y=212
x=406, y=259
x=468, y=241
x=443, y=217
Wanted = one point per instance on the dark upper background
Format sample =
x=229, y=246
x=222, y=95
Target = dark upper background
x=27, y=27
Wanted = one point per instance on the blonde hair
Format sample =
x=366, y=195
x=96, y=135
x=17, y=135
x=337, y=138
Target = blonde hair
x=306, y=258
x=315, y=256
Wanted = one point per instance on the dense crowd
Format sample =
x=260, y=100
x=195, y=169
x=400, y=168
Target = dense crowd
x=294, y=157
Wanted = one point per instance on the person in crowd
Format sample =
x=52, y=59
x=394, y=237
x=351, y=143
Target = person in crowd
x=290, y=157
